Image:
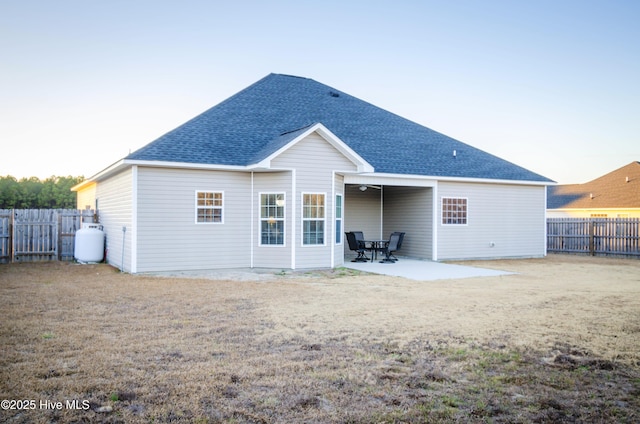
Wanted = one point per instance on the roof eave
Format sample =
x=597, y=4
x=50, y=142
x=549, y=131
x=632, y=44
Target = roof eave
x=125, y=163
x=461, y=179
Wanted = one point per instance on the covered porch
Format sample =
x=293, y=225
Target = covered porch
x=378, y=206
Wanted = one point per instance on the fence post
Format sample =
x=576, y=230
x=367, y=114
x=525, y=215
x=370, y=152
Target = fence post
x=60, y=231
x=12, y=229
x=592, y=234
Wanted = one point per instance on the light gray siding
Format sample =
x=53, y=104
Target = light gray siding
x=410, y=210
x=502, y=221
x=169, y=237
x=115, y=207
x=314, y=160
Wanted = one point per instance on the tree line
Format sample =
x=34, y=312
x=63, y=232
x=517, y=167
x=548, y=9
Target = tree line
x=33, y=193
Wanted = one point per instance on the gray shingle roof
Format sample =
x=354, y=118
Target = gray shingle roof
x=258, y=120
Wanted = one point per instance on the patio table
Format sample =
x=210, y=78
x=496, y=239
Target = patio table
x=376, y=245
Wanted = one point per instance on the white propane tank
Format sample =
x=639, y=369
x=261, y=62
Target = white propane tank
x=89, y=245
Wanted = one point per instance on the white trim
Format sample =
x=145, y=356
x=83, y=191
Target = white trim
x=134, y=220
x=293, y=218
x=302, y=219
x=124, y=163
x=434, y=224
x=381, y=236
x=361, y=164
x=335, y=218
x=212, y=207
x=429, y=180
x=388, y=179
x=332, y=237
x=466, y=212
x=185, y=165
x=364, y=174
x=251, y=205
x=284, y=219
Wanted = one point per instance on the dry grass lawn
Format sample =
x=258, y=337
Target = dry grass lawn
x=557, y=342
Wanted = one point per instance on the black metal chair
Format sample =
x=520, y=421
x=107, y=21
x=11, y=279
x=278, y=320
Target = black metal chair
x=391, y=247
x=361, y=242
x=359, y=237
x=399, y=244
x=357, y=246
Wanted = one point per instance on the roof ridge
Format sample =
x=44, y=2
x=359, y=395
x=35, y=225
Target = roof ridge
x=609, y=174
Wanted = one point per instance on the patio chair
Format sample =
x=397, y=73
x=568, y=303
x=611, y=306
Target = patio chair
x=357, y=246
x=399, y=244
x=361, y=241
x=359, y=236
x=390, y=247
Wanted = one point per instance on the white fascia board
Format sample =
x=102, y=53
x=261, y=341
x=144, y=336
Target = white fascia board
x=111, y=169
x=186, y=165
x=492, y=181
x=125, y=163
x=355, y=179
x=361, y=164
x=389, y=179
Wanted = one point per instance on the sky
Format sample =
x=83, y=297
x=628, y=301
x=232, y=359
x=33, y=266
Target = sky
x=550, y=85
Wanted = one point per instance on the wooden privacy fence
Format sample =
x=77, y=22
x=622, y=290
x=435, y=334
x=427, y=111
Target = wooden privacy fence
x=28, y=235
x=594, y=236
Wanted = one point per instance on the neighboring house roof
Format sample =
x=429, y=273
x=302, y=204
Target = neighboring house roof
x=617, y=189
x=264, y=117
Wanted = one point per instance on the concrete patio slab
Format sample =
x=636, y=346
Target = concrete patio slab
x=424, y=270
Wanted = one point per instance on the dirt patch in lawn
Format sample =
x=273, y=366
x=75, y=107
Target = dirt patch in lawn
x=556, y=342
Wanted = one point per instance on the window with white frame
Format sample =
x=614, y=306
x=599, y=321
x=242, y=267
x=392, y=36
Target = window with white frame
x=313, y=215
x=338, y=218
x=209, y=207
x=272, y=219
x=454, y=211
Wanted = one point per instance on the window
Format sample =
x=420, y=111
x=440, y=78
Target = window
x=272, y=219
x=454, y=211
x=209, y=207
x=312, y=219
x=338, y=218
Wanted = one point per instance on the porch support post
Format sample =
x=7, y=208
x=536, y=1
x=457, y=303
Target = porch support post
x=251, y=240
x=381, y=212
x=434, y=224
